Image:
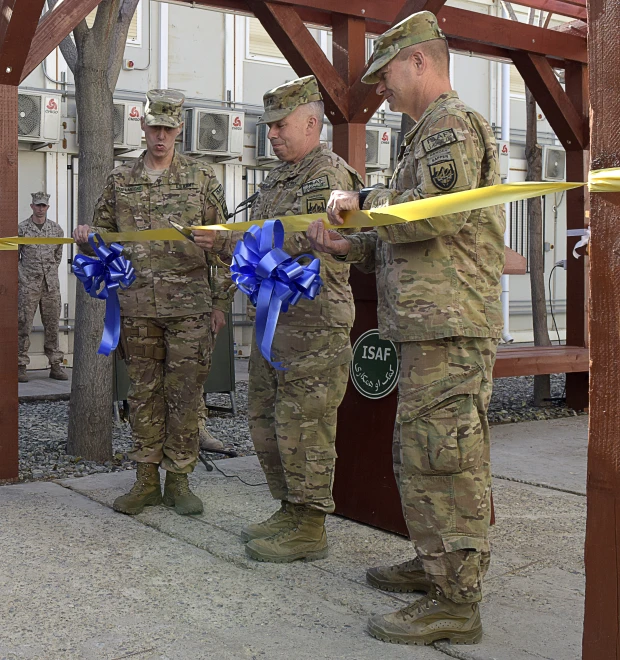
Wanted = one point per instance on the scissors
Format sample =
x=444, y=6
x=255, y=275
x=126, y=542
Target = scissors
x=186, y=231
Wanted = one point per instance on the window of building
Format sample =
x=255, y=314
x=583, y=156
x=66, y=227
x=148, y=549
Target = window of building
x=259, y=45
x=134, y=36
x=517, y=86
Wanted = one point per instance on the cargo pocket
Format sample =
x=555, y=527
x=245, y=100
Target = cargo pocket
x=320, y=462
x=440, y=431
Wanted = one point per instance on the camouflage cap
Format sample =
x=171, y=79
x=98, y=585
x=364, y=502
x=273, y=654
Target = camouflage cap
x=40, y=198
x=281, y=101
x=164, y=108
x=414, y=29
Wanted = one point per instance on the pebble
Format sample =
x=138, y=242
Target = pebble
x=43, y=428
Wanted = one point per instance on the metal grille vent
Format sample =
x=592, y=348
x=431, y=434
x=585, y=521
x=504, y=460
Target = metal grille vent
x=189, y=128
x=213, y=132
x=261, y=141
x=555, y=164
x=372, y=146
x=28, y=115
x=119, y=123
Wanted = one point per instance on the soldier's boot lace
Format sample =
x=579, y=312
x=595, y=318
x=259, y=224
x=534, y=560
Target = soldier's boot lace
x=178, y=495
x=22, y=375
x=306, y=540
x=428, y=620
x=57, y=372
x=146, y=491
x=400, y=578
x=208, y=442
x=281, y=521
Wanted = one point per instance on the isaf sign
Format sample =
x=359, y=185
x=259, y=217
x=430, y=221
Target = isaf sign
x=374, y=369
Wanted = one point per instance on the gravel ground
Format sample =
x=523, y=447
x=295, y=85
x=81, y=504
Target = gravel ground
x=43, y=428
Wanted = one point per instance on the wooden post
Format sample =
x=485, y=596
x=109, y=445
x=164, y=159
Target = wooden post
x=8, y=285
x=602, y=550
x=576, y=170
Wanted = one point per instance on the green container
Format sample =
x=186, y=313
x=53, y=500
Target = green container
x=221, y=377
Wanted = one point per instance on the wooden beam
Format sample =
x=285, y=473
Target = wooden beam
x=6, y=11
x=53, y=28
x=601, y=638
x=536, y=360
x=568, y=124
x=561, y=7
x=304, y=54
x=9, y=405
x=17, y=38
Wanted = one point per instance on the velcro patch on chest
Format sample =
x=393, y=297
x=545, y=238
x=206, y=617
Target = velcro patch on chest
x=129, y=189
x=320, y=183
x=316, y=205
x=440, y=139
x=183, y=186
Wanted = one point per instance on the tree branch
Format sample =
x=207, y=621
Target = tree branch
x=511, y=11
x=67, y=45
x=119, y=38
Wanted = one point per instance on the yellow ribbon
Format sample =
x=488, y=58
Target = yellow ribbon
x=607, y=180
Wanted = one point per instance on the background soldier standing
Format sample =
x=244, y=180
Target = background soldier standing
x=292, y=413
x=438, y=284
x=173, y=310
x=39, y=287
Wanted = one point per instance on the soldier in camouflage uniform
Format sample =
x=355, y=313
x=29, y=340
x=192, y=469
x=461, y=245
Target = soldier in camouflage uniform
x=438, y=284
x=173, y=310
x=292, y=413
x=39, y=287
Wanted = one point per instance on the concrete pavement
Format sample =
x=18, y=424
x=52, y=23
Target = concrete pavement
x=86, y=583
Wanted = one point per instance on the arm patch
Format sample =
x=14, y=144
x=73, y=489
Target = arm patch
x=316, y=205
x=320, y=183
x=439, y=140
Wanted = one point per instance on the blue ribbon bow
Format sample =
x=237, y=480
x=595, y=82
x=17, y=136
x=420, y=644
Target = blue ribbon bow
x=110, y=269
x=271, y=279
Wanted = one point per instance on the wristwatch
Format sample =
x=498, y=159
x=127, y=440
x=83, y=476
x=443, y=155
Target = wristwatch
x=363, y=193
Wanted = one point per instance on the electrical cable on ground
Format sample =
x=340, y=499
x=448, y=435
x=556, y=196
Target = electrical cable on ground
x=204, y=460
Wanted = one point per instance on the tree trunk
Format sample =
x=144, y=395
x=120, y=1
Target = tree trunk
x=90, y=418
x=533, y=154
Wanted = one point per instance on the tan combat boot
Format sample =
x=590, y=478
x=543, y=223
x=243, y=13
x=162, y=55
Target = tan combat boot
x=400, y=578
x=145, y=492
x=306, y=540
x=22, y=374
x=207, y=441
x=281, y=521
x=178, y=495
x=57, y=372
x=428, y=620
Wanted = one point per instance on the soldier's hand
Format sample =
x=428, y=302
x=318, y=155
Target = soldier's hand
x=204, y=238
x=80, y=233
x=218, y=320
x=323, y=239
x=341, y=200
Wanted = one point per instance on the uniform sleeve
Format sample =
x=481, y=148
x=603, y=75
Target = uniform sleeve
x=447, y=159
x=104, y=215
x=362, y=252
x=58, y=251
x=315, y=192
x=215, y=212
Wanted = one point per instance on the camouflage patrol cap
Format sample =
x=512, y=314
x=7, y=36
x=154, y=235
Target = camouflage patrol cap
x=281, y=101
x=164, y=108
x=40, y=198
x=414, y=29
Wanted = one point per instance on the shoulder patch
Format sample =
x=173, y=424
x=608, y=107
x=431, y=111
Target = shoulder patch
x=218, y=193
x=317, y=205
x=320, y=183
x=439, y=139
x=444, y=175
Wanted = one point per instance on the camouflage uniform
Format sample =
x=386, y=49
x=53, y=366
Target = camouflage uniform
x=39, y=285
x=439, y=300
x=292, y=413
x=166, y=311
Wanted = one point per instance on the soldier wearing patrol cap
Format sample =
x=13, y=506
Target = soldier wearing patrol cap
x=39, y=287
x=292, y=413
x=173, y=311
x=438, y=284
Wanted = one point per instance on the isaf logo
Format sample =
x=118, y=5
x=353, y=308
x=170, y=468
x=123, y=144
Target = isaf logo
x=444, y=175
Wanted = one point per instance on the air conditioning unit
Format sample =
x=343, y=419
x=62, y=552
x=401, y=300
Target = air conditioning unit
x=213, y=132
x=554, y=164
x=38, y=117
x=378, y=142
x=264, y=150
x=127, y=129
x=503, y=153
